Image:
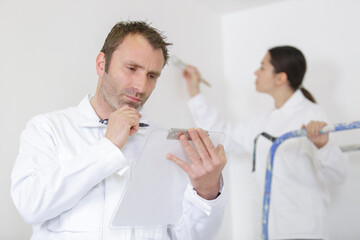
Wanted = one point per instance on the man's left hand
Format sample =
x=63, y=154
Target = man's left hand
x=207, y=163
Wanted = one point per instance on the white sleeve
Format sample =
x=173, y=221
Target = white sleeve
x=239, y=137
x=331, y=164
x=42, y=187
x=201, y=218
x=205, y=115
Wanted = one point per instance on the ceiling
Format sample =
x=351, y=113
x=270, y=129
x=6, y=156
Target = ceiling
x=227, y=6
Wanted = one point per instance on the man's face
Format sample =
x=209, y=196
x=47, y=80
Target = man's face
x=134, y=68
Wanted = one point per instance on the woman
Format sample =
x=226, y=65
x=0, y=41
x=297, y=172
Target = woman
x=304, y=167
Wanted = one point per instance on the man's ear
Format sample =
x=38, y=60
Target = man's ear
x=281, y=79
x=100, y=64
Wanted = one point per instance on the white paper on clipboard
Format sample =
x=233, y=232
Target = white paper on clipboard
x=154, y=193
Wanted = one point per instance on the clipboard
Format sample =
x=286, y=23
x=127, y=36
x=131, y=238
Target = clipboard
x=154, y=193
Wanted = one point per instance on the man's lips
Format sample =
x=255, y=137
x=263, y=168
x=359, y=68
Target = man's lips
x=134, y=99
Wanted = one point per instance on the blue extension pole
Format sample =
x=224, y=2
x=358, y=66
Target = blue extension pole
x=270, y=165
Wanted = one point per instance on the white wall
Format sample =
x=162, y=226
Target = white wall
x=48, y=62
x=48, y=51
x=327, y=32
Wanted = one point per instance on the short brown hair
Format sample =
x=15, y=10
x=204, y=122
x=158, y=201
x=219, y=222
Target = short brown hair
x=124, y=28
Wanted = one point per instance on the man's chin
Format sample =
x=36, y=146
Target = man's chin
x=132, y=104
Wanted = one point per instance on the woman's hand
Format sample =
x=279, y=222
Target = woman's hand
x=313, y=134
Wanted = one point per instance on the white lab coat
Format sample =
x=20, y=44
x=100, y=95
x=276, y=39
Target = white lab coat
x=65, y=182
x=302, y=173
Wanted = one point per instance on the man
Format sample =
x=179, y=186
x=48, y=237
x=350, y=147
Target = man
x=72, y=168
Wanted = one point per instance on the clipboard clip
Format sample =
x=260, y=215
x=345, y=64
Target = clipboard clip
x=175, y=133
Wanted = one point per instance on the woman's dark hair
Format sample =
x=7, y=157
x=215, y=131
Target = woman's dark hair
x=291, y=61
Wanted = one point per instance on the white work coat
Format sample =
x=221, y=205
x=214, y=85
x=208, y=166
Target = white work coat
x=301, y=175
x=68, y=179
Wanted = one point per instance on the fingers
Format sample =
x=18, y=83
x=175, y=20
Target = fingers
x=193, y=69
x=126, y=114
x=206, y=154
x=221, y=153
x=203, y=151
x=198, y=143
x=207, y=143
x=191, y=72
x=192, y=154
x=188, y=71
x=193, y=78
x=313, y=128
x=182, y=164
x=207, y=163
x=123, y=123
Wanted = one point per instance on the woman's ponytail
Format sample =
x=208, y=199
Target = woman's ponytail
x=307, y=94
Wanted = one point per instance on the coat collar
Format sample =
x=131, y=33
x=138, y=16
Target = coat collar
x=87, y=116
x=291, y=104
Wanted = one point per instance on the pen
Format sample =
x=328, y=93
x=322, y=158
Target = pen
x=105, y=121
x=143, y=125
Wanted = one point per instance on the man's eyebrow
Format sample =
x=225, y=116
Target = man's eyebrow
x=156, y=73
x=133, y=64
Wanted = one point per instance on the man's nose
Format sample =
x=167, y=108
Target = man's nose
x=140, y=83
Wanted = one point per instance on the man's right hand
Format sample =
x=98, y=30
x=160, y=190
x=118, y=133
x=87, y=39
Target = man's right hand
x=123, y=123
x=193, y=78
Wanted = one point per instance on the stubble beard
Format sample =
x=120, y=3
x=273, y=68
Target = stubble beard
x=117, y=100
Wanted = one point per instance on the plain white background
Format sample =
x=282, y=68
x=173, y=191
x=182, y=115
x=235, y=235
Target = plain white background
x=48, y=52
